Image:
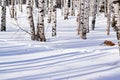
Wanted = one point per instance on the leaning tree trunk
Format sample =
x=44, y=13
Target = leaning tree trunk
x=94, y=14
x=116, y=22
x=3, y=15
x=30, y=18
x=40, y=25
x=54, y=16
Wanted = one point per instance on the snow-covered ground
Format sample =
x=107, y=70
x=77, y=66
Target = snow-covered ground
x=64, y=57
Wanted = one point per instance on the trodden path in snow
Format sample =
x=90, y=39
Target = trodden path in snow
x=64, y=57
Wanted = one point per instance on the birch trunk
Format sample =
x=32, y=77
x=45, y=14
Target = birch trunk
x=54, y=16
x=40, y=25
x=20, y=5
x=46, y=7
x=78, y=17
x=3, y=15
x=72, y=7
x=66, y=12
x=86, y=14
x=108, y=16
x=94, y=14
x=105, y=7
x=13, y=13
x=30, y=19
x=49, y=11
x=116, y=25
x=82, y=18
x=62, y=7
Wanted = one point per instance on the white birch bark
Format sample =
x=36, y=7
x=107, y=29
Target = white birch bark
x=62, y=7
x=54, y=20
x=94, y=14
x=49, y=11
x=66, y=12
x=30, y=19
x=105, y=7
x=82, y=19
x=78, y=17
x=46, y=7
x=116, y=25
x=86, y=14
x=72, y=7
x=20, y=5
x=3, y=15
x=108, y=16
x=13, y=15
x=40, y=25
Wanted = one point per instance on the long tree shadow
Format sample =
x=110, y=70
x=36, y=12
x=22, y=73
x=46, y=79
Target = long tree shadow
x=62, y=60
x=68, y=73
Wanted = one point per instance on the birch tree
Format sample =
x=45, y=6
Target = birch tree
x=72, y=7
x=66, y=11
x=105, y=7
x=49, y=11
x=3, y=15
x=108, y=16
x=94, y=14
x=86, y=14
x=54, y=16
x=78, y=16
x=40, y=25
x=82, y=23
x=62, y=7
x=30, y=19
x=20, y=2
x=116, y=22
x=13, y=12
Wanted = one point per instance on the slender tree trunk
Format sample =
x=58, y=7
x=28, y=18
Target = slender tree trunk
x=94, y=14
x=86, y=14
x=20, y=5
x=36, y=3
x=105, y=7
x=82, y=20
x=54, y=16
x=108, y=17
x=66, y=12
x=40, y=25
x=72, y=8
x=46, y=7
x=13, y=9
x=78, y=17
x=62, y=7
x=3, y=16
x=31, y=20
x=116, y=23
x=50, y=11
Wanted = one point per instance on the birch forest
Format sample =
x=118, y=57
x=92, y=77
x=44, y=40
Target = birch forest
x=83, y=8
x=59, y=39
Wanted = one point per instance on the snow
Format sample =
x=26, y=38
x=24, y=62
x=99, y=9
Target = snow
x=64, y=57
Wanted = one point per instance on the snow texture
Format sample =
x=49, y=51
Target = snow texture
x=64, y=57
